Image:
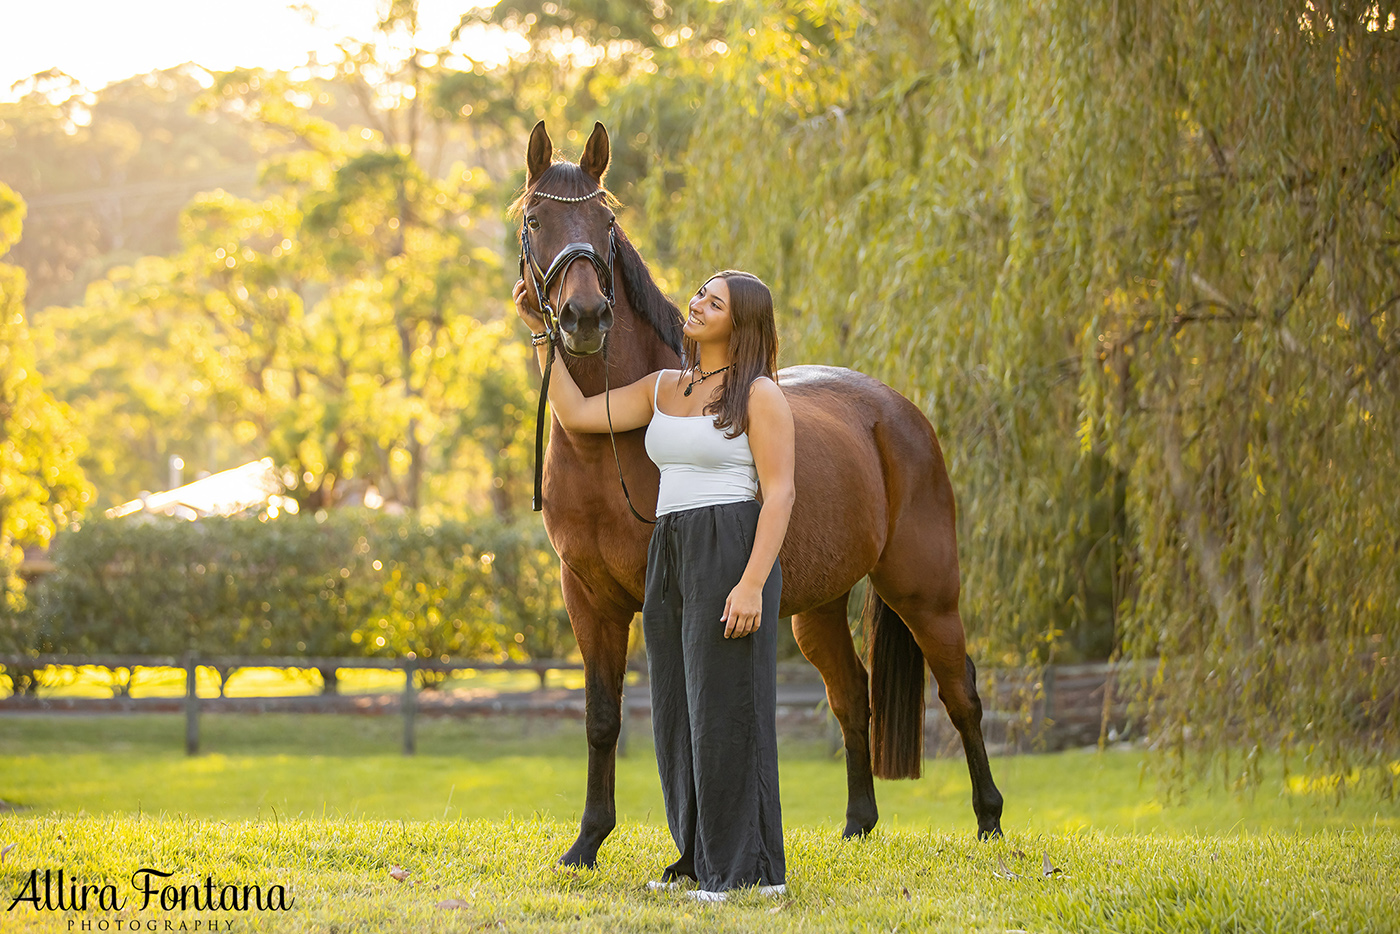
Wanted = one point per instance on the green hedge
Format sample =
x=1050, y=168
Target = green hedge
x=358, y=583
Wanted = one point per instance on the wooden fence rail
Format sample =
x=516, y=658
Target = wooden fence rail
x=190, y=662
x=1050, y=707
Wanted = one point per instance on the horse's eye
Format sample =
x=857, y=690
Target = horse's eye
x=533, y=223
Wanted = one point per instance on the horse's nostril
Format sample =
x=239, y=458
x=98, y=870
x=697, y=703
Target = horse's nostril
x=568, y=318
x=605, y=320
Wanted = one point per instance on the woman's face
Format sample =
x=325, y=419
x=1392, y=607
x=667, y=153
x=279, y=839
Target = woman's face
x=709, y=312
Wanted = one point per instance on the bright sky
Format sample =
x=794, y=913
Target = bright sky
x=100, y=41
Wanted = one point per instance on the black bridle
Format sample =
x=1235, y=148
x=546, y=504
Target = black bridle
x=543, y=282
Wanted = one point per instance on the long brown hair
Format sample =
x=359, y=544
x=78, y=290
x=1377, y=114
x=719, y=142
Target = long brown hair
x=753, y=349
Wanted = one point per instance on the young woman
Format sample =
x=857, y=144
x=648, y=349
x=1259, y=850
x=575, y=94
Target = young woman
x=720, y=431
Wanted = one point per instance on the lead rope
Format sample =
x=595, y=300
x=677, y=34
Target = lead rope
x=539, y=428
x=545, y=313
x=607, y=404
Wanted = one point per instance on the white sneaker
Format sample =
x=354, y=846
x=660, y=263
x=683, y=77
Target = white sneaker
x=655, y=886
x=705, y=896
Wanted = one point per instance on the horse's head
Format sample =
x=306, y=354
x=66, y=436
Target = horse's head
x=566, y=216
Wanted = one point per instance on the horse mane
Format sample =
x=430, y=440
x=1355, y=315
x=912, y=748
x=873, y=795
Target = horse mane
x=567, y=180
x=646, y=296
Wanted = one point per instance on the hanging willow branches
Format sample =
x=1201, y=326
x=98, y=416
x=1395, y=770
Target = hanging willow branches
x=1138, y=263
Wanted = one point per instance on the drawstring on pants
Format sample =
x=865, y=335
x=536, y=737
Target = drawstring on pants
x=665, y=527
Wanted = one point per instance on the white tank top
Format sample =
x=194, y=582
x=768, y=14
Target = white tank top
x=699, y=465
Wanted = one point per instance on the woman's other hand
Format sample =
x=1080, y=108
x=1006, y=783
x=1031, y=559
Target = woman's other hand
x=743, y=611
x=527, y=309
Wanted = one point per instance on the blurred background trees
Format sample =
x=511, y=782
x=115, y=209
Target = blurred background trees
x=42, y=486
x=1137, y=263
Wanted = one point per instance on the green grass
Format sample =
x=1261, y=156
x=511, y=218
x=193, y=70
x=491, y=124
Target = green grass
x=336, y=873
x=326, y=805
x=490, y=768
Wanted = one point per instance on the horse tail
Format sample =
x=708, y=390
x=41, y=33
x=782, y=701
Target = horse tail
x=896, y=691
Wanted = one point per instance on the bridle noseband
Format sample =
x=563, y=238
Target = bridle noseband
x=543, y=282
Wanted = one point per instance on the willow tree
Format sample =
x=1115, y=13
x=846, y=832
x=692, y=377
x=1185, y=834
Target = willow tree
x=1138, y=265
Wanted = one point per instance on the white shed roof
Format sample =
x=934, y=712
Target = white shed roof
x=226, y=493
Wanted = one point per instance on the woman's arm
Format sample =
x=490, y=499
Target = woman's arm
x=631, y=404
x=771, y=441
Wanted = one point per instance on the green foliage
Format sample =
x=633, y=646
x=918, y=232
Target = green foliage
x=106, y=172
x=1238, y=364
x=1138, y=266
x=340, y=322
x=42, y=487
x=145, y=379
x=355, y=583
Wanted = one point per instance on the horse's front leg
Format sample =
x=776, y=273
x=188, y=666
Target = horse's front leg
x=601, y=628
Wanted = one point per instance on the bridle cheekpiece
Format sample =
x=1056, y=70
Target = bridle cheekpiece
x=545, y=280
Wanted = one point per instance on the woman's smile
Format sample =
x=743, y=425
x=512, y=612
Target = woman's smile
x=712, y=298
x=693, y=324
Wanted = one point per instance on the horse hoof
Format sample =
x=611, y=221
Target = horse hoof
x=856, y=830
x=989, y=833
x=575, y=860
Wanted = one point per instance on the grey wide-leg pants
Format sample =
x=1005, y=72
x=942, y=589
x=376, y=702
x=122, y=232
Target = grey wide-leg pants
x=714, y=700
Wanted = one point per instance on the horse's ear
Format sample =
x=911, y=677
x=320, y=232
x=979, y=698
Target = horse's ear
x=596, y=153
x=539, y=154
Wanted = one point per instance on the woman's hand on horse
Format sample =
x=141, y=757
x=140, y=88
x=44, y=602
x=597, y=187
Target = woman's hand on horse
x=525, y=307
x=743, y=611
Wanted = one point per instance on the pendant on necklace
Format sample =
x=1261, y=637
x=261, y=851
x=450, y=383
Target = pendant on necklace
x=703, y=377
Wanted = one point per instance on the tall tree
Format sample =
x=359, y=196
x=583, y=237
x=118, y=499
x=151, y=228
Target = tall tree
x=348, y=320
x=42, y=488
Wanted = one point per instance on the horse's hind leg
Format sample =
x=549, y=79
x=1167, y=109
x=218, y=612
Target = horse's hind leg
x=824, y=636
x=941, y=638
x=957, y=689
x=918, y=577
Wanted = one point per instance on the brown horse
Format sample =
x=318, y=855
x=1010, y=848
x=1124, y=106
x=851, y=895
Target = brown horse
x=873, y=498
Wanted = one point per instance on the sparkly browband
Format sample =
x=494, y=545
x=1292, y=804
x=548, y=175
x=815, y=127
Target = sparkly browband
x=591, y=194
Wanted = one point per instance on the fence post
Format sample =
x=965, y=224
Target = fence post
x=1050, y=713
x=410, y=703
x=622, y=722
x=835, y=739
x=191, y=706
